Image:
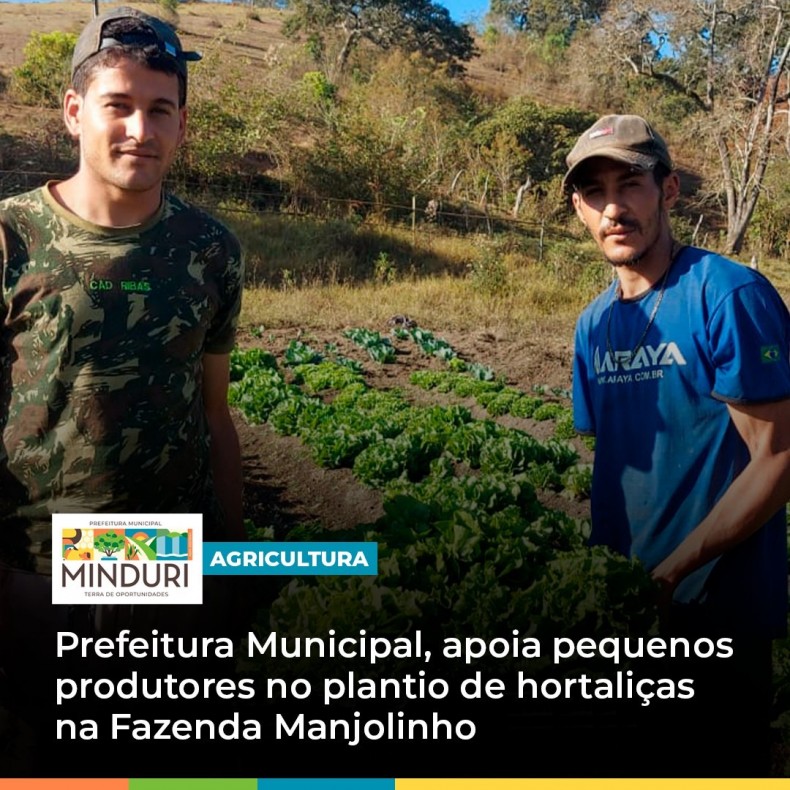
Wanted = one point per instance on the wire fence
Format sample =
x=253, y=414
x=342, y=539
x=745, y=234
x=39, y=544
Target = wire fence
x=243, y=197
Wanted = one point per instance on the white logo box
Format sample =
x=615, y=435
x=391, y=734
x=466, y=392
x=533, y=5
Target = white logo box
x=127, y=558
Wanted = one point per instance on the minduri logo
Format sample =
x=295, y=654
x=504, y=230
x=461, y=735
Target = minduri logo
x=127, y=558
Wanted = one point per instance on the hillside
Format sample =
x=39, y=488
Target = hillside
x=246, y=38
x=199, y=24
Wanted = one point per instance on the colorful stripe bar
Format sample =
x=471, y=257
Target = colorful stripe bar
x=64, y=784
x=592, y=784
x=326, y=784
x=193, y=784
x=397, y=784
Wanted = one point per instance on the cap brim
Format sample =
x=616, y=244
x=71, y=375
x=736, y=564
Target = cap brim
x=632, y=158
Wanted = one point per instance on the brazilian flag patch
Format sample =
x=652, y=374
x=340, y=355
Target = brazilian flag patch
x=769, y=354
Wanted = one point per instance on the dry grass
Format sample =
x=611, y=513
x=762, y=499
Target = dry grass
x=532, y=299
x=527, y=296
x=285, y=250
x=778, y=272
x=305, y=272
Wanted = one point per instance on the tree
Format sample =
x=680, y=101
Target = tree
x=410, y=25
x=109, y=543
x=44, y=75
x=524, y=142
x=730, y=57
x=549, y=17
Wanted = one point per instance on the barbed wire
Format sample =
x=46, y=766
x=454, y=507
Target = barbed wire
x=287, y=203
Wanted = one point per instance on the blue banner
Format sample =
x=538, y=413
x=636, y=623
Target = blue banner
x=269, y=558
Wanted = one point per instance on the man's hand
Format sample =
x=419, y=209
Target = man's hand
x=662, y=575
x=761, y=489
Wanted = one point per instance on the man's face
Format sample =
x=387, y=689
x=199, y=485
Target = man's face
x=129, y=126
x=624, y=209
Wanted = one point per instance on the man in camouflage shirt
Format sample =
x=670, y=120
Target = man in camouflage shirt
x=118, y=312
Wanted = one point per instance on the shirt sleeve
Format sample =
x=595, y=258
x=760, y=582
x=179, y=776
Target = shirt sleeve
x=583, y=419
x=221, y=337
x=4, y=255
x=749, y=336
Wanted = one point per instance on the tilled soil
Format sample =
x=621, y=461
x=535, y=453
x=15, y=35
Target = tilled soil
x=284, y=487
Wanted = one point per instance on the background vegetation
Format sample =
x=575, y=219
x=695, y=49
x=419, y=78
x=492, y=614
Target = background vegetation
x=425, y=160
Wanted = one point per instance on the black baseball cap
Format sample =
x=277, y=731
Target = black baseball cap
x=629, y=139
x=151, y=32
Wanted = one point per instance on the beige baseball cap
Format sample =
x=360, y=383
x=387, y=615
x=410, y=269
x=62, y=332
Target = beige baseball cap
x=151, y=32
x=625, y=138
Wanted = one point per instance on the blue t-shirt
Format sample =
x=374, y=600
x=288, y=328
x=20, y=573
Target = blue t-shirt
x=666, y=449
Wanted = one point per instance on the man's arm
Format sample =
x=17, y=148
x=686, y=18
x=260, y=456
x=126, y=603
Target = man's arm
x=752, y=498
x=225, y=450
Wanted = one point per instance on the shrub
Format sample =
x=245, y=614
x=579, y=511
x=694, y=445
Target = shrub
x=488, y=273
x=317, y=87
x=384, y=269
x=43, y=77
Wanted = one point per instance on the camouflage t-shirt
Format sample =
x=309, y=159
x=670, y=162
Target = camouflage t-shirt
x=102, y=332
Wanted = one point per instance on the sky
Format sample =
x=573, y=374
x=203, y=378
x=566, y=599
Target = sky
x=466, y=10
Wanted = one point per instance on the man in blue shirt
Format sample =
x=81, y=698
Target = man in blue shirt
x=682, y=373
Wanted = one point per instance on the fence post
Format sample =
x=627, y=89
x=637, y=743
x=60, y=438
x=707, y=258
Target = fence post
x=696, y=229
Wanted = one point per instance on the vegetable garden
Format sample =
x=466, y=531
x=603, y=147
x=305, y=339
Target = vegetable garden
x=482, y=488
x=466, y=539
